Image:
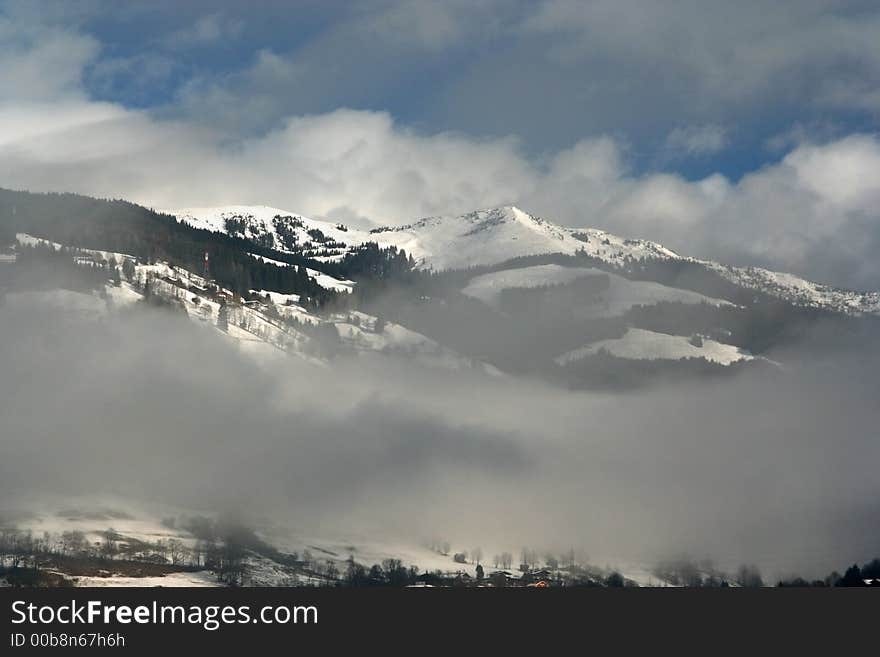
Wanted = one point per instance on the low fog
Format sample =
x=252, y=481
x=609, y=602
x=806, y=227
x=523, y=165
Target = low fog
x=778, y=470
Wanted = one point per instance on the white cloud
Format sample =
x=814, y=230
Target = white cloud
x=41, y=63
x=726, y=53
x=426, y=25
x=547, y=71
x=206, y=30
x=696, y=140
x=814, y=212
x=799, y=214
x=843, y=173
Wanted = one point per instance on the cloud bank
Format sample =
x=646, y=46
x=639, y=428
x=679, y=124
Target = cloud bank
x=815, y=212
x=737, y=470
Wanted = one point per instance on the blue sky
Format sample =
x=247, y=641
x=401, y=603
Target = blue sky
x=744, y=131
x=535, y=71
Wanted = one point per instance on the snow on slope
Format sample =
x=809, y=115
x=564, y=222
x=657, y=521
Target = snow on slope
x=324, y=280
x=279, y=229
x=621, y=294
x=797, y=290
x=122, y=296
x=484, y=237
x=262, y=329
x=639, y=344
x=493, y=236
x=150, y=523
x=487, y=287
x=199, y=579
x=29, y=240
x=488, y=237
x=362, y=332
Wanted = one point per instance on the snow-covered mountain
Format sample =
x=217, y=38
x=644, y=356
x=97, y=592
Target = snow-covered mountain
x=483, y=237
x=497, y=235
x=515, y=291
x=281, y=230
x=268, y=324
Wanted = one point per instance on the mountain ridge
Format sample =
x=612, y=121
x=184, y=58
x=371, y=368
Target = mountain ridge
x=495, y=235
x=526, y=292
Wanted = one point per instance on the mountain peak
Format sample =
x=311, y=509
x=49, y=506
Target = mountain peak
x=507, y=211
x=492, y=236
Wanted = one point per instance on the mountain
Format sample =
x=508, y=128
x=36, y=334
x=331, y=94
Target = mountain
x=497, y=235
x=281, y=230
x=496, y=290
x=480, y=238
x=265, y=323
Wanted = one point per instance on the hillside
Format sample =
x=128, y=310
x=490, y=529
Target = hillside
x=262, y=322
x=497, y=289
x=494, y=236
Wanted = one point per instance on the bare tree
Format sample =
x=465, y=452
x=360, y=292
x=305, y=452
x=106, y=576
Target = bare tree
x=749, y=576
x=176, y=551
x=477, y=555
x=162, y=550
x=73, y=542
x=109, y=545
x=528, y=558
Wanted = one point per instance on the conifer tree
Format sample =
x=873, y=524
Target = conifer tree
x=223, y=318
